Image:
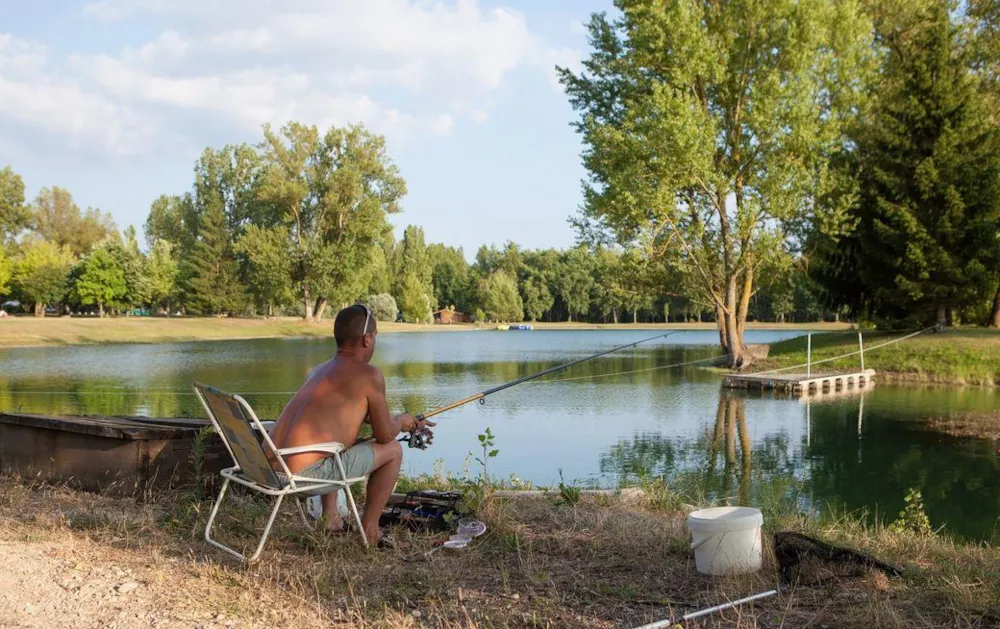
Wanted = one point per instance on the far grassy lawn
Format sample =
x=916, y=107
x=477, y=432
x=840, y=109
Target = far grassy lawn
x=958, y=356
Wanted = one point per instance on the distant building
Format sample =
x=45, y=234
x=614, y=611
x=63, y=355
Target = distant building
x=448, y=316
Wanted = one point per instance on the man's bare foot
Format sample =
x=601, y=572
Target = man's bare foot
x=336, y=525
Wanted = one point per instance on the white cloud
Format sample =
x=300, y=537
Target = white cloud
x=402, y=67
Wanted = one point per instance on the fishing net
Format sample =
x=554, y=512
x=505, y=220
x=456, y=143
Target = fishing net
x=805, y=560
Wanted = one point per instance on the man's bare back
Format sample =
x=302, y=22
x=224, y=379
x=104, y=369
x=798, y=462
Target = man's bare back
x=330, y=406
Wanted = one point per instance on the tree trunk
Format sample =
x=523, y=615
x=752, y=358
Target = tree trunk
x=100, y=310
x=635, y=313
x=995, y=316
x=721, y=325
x=39, y=310
x=942, y=315
x=307, y=305
x=320, y=307
x=614, y=313
x=734, y=331
x=836, y=315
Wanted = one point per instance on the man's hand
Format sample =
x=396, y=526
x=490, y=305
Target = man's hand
x=408, y=423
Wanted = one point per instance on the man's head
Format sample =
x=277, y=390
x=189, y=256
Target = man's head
x=355, y=329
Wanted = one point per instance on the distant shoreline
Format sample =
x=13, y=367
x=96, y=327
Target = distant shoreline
x=63, y=331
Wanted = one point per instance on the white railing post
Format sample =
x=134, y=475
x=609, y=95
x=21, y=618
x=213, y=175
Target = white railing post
x=809, y=354
x=861, y=346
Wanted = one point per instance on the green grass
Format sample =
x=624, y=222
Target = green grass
x=961, y=356
x=26, y=331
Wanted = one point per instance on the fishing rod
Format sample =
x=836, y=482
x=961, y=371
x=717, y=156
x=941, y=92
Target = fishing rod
x=422, y=438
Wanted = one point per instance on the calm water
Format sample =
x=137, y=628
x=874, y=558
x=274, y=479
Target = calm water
x=593, y=423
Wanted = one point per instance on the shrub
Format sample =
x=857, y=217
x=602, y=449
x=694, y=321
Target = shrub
x=383, y=306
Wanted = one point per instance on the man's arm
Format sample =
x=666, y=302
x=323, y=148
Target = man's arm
x=384, y=426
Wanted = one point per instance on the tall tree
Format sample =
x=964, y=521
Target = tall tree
x=58, y=219
x=165, y=220
x=270, y=269
x=6, y=272
x=334, y=192
x=162, y=271
x=210, y=270
x=98, y=279
x=501, y=298
x=14, y=214
x=708, y=126
x=449, y=276
x=414, y=302
x=984, y=16
x=576, y=281
x=928, y=161
x=412, y=258
x=41, y=273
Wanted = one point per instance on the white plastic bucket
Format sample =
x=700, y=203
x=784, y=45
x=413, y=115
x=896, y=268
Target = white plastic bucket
x=726, y=540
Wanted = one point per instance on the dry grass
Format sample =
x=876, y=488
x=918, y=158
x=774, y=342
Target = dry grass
x=600, y=563
x=29, y=331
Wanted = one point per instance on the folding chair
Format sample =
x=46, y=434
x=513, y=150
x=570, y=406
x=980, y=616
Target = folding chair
x=235, y=422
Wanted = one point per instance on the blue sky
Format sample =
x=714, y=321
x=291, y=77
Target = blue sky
x=115, y=99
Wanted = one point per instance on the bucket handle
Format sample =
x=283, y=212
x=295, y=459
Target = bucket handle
x=696, y=545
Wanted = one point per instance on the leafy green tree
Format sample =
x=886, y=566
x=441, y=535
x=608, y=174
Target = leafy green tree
x=335, y=193
x=98, y=278
x=41, y=273
x=412, y=259
x=165, y=220
x=162, y=271
x=6, y=272
x=450, y=276
x=414, y=302
x=58, y=219
x=14, y=214
x=576, y=281
x=209, y=268
x=502, y=300
x=269, y=267
x=928, y=161
x=984, y=16
x=708, y=127
x=379, y=273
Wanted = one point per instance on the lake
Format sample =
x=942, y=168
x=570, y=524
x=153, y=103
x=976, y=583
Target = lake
x=592, y=423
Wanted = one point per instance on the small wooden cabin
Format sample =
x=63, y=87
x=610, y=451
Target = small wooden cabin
x=449, y=316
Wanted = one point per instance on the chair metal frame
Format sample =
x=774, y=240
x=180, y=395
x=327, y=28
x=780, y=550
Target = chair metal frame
x=289, y=484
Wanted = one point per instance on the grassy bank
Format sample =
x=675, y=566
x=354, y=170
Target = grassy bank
x=960, y=356
x=591, y=561
x=29, y=331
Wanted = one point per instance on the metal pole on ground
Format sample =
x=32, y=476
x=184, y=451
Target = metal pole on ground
x=861, y=346
x=809, y=355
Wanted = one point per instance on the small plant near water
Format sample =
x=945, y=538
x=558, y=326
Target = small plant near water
x=913, y=518
x=569, y=494
x=487, y=442
x=478, y=490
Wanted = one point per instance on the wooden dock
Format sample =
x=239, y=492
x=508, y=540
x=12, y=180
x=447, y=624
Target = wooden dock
x=802, y=384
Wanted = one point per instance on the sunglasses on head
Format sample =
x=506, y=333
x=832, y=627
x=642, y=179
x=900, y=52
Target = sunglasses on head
x=368, y=316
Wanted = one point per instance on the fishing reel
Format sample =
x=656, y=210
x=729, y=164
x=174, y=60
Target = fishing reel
x=419, y=438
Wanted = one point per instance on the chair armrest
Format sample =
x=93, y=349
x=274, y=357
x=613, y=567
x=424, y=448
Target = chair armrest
x=330, y=447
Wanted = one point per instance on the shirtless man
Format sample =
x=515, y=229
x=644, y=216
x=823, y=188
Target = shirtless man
x=335, y=400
